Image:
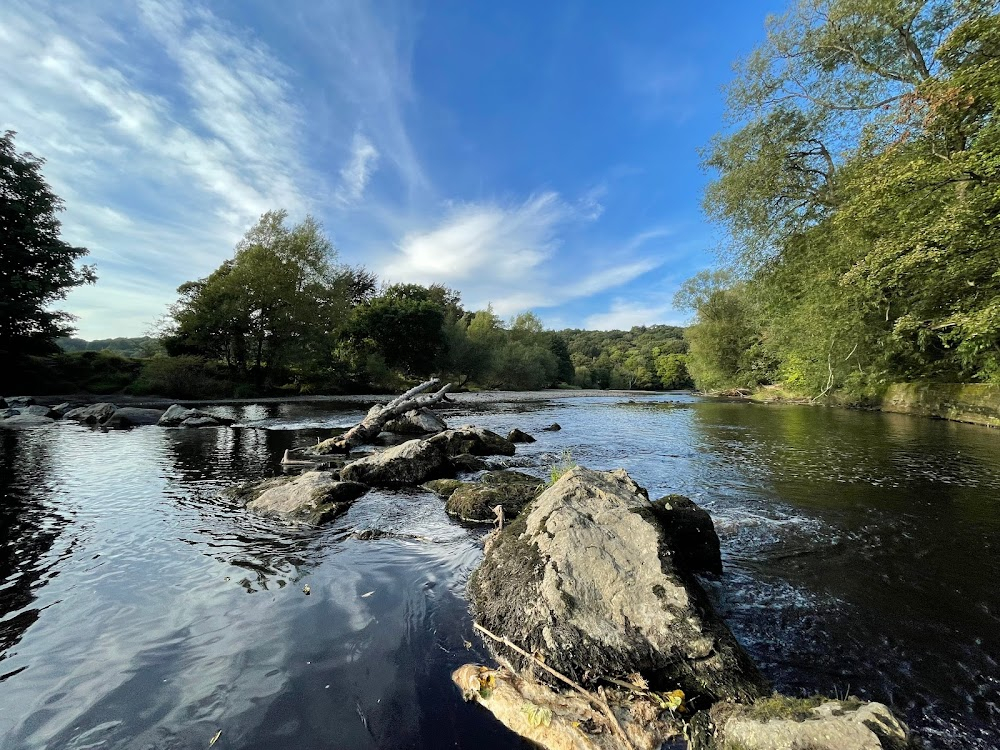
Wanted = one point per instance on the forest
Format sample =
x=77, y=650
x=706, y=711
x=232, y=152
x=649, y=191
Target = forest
x=282, y=316
x=858, y=190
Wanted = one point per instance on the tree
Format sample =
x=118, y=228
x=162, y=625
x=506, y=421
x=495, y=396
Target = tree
x=37, y=267
x=404, y=325
x=278, y=304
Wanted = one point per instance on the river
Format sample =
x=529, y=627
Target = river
x=140, y=610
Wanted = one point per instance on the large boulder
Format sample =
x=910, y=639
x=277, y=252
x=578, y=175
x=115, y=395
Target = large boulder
x=26, y=420
x=92, y=414
x=180, y=416
x=62, y=408
x=313, y=497
x=410, y=463
x=130, y=416
x=475, y=440
x=416, y=422
x=690, y=534
x=474, y=501
x=19, y=402
x=7, y=413
x=585, y=576
x=777, y=723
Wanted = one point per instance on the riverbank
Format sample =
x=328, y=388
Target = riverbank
x=972, y=403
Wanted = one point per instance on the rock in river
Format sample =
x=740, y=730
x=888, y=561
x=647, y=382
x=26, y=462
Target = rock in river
x=475, y=440
x=519, y=436
x=416, y=422
x=410, y=463
x=690, y=533
x=93, y=414
x=314, y=497
x=180, y=416
x=474, y=501
x=585, y=577
x=26, y=420
x=130, y=416
x=777, y=722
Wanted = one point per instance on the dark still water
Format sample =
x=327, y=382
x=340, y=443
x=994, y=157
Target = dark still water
x=140, y=610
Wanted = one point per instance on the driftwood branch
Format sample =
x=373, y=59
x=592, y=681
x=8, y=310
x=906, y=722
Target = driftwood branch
x=599, y=702
x=368, y=428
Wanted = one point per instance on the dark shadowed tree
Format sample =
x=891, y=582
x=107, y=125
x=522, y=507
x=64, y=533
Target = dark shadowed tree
x=37, y=267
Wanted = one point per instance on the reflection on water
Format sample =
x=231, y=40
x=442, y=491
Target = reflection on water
x=140, y=609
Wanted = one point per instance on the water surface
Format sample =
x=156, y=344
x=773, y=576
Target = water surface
x=140, y=610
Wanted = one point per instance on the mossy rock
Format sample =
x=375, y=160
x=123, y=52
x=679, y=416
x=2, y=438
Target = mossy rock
x=474, y=502
x=444, y=488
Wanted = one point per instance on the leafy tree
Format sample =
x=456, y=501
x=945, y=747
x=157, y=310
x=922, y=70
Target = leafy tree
x=860, y=189
x=404, y=325
x=276, y=305
x=37, y=267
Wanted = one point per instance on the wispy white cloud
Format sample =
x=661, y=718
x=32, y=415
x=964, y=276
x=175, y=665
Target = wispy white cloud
x=506, y=255
x=624, y=314
x=165, y=143
x=358, y=170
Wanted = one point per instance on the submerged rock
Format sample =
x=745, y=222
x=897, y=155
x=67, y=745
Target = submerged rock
x=314, y=496
x=416, y=422
x=41, y=411
x=413, y=462
x=519, y=436
x=585, y=577
x=817, y=723
x=690, y=533
x=554, y=427
x=130, y=416
x=475, y=440
x=93, y=414
x=26, y=420
x=474, y=501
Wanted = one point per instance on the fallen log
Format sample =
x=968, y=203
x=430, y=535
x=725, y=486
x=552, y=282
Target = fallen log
x=368, y=428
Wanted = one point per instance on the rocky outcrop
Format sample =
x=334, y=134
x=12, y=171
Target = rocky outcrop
x=179, y=416
x=778, y=723
x=519, y=436
x=417, y=422
x=691, y=534
x=585, y=576
x=977, y=403
x=130, y=416
x=92, y=414
x=410, y=463
x=313, y=497
x=474, y=440
x=474, y=502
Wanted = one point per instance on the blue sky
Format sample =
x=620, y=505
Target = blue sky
x=532, y=155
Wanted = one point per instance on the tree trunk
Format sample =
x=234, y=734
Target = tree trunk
x=368, y=428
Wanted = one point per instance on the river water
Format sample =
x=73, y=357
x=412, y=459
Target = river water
x=140, y=610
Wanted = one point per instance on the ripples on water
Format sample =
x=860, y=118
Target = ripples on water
x=140, y=610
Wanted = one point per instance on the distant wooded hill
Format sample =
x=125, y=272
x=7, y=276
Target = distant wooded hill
x=142, y=346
